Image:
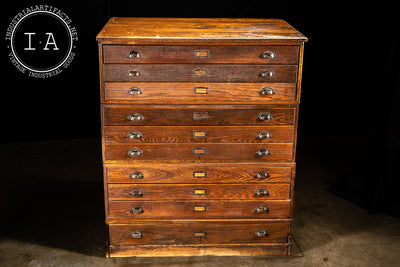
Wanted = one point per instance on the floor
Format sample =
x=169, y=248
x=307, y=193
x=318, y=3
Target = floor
x=52, y=214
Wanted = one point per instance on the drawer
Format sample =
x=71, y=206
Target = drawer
x=198, y=134
x=197, y=173
x=198, y=115
x=201, y=54
x=199, y=232
x=199, y=73
x=201, y=209
x=195, y=93
x=198, y=191
x=198, y=152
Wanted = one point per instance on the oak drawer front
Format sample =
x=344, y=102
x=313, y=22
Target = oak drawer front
x=198, y=191
x=199, y=73
x=197, y=232
x=196, y=134
x=201, y=54
x=197, y=173
x=220, y=93
x=201, y=209
x=198, y=152
x=177, y=116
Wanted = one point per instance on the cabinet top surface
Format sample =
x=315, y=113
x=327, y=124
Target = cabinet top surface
x=208, y=30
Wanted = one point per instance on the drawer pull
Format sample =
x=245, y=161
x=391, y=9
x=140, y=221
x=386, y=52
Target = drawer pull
x=133, y=73
x=199, y=208
x=261, y=193
x=201, y=72
x=136, y=234
x=134, y=91
x=267, y=91
x=264, y=116
x=199, y=174
x=262, y=175
x=135, y=152
x=201, y=53
x=261, y=233
x=200, y=134
x=135, y=117
x=136, y=175
x=267, y=73
x=136, y=210
x=268, y=54
x=134, y=54
x=263, y=152
x=200, y=116
x=134, y=135
x=199, y=151
x=199, y=234
x=264, y=135
x=199, y=191
x=201, y=90
x=136, y=193
x=261, y=209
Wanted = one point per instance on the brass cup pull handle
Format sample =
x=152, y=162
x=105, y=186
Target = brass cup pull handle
x=136, y=193
x=135, y=152
x=136, y=175
x=134, y=91
x=263, y=152
x=262, y=175
x=268, y=55
x=136, y=234
x=267, y=73
x=135, y=117
x=133, y=73
x=264, y=135
x=264, y=116
x=261, y=209
x=261, y=193
x=261, y=233
x=134, y=54
x=135, y=135
x=266, y=91
x=136, y=210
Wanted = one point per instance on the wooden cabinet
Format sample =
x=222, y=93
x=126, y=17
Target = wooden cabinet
x=199, y=125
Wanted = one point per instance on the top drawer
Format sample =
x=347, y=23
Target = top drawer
x=201, y=54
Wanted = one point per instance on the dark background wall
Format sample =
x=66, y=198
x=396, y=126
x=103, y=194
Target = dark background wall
x=350, y=87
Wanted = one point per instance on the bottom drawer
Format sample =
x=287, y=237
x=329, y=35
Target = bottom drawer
x=199, y=232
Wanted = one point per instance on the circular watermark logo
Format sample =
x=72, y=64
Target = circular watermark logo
x=41, y=40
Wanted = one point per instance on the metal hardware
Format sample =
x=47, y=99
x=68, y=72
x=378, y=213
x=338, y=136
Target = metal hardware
x=199, y=191
x=136, y=175
x=268, y=54
x=134, y=135
x=134, y=91
x=267, y=91
x=200, y=134
x=201, y=53
x=267, y=73
x=264, y=135
x=200, y=116
x=136, y=234
x=134, y=54
x=199, y=208
x=201, y=72
x=135, y=117
x=261, y=233
x=199, y=151
x=136, y=193
x=201, y=90
x=264, y=116
x=199, y=234
x=133, y=73
x=261, y=193
x=136, y=210
x=263, y=152
x=199, y=174
x=261, y=209
x=135, y=152
x=262, y=175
